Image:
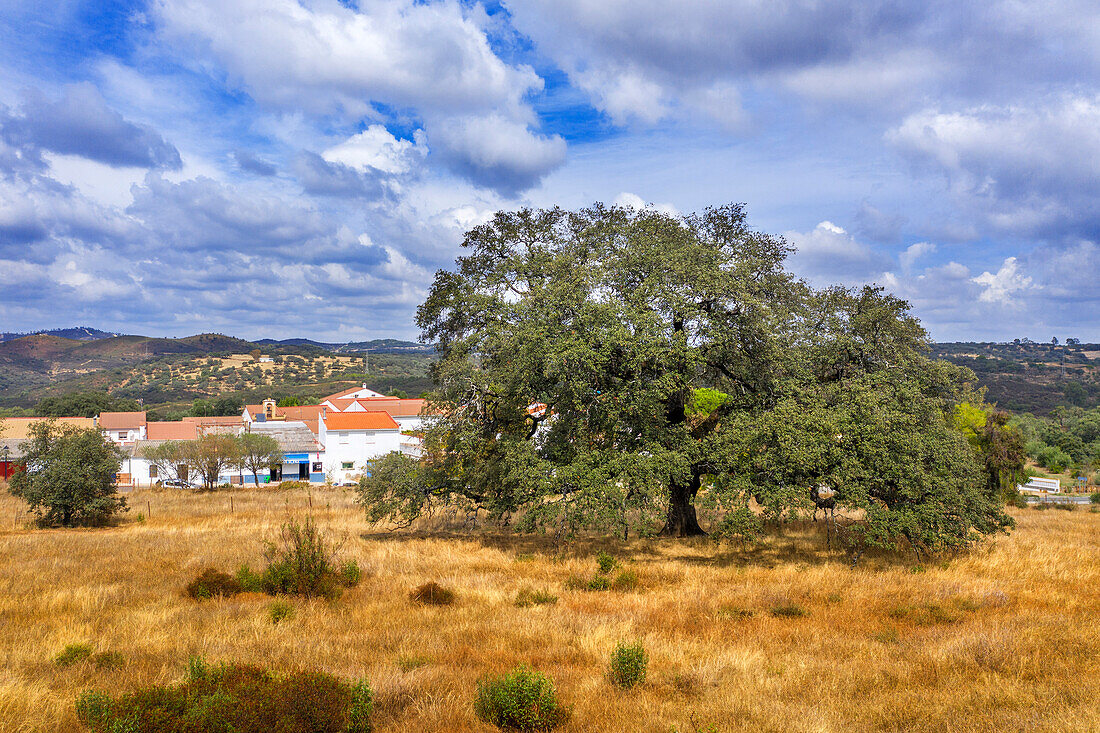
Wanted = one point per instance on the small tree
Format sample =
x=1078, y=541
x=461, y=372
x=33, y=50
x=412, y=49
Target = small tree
x=70, y=475
x=211, y=454
x=172, y=459
x=259, y=453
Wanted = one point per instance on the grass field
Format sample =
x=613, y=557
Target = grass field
x=1004, y=639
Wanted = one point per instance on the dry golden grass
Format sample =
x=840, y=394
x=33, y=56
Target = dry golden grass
x=1002, y=639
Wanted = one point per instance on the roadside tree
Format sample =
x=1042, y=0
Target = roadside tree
x=211, y=455
x=172, y=459
x=69, y=477
x=259, y=453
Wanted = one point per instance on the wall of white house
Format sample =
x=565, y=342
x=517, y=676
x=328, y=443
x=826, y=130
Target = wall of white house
x=347, y=451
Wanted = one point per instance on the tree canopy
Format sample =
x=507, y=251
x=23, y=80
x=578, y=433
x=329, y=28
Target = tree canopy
x=69, y=476
x=614, y=367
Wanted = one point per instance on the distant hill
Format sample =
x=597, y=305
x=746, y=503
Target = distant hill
x=80, y=333
x=377, y=346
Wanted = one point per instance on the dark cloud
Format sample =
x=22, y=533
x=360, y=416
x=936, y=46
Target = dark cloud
x=249, y=162
x=320, y=177
x=80, y=123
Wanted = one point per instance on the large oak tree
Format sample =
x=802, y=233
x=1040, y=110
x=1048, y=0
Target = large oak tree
x=608, y=366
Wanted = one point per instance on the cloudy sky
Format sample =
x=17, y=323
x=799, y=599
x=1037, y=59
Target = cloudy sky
x=290, y=168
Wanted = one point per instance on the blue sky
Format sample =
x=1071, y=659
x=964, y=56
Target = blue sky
x=303, y=167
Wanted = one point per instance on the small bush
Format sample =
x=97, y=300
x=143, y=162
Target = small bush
x=432, y=594
x=528, y=597
x=1094, y=497
x=522, y=700
x=197, y=669
x=280, y=611
x=789, y=610
x=628, y=665
x=626, y=580
x=108, y=660
x=238, y=698
x=1065, y=506
x=303, y=563
x=72, y=654
x=606, y=562
x=350, y=573
x=250, y=581
x=210, y=583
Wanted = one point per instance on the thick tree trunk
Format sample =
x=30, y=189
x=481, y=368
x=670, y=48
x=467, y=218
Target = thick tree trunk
x=681, y=521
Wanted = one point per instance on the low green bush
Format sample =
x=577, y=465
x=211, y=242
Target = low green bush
x=250, y=581
x=628, y=665
x=1094, y=497
x=212, y=583
x=528, y=597
x=238, y=698
x=72, y=654
x=303, y=562
x=625, y=580
x=280, y=611
x=522, y=700
x=606, y=562
x=432, y=594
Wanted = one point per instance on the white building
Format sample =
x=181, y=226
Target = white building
x=123, y=428
x=353, y=438
x=1041, y=486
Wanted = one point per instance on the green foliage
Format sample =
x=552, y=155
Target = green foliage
x=280, y=611
x=303, y=562
x=432, y=594
x=70, y=476
x=238, y=698
x=1094, y=497
x=249, y=581
x=628, y=665
x=740, y=525
x=213, y=583
x=625, y=581
x=677, y=358
x=522, y=700
x=605, y=562
x=72, y=654
x=83, y=404
x=289, y=402
x=259, y=454
x=528, y=597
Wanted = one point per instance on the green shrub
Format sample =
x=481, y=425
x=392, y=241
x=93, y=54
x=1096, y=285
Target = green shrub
x=350, y=573
x=528, y=597
x=238, y=698
x=522, y=700
x=108, y=660
x=197, y=669
x=280, y=611
x=626, y=580
x=596, y=583
x=210, y=583
x=628, y=665
x=250, y=581
x=72, y=654
x=1065, y=506
x=789, y=610
x=303, y=562
x=1094, y=497
x=432, y=594
x=606, y=562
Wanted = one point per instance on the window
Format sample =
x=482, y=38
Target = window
x=152, y=471
x=122, y=435
x=347, y=465
x=317, y=467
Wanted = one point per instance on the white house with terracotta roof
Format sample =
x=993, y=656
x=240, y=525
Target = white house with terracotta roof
x=353, y=438
x=124, y=428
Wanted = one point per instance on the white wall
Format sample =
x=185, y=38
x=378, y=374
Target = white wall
x=357, y=447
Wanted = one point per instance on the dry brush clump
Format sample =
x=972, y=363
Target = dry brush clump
x=234, y=697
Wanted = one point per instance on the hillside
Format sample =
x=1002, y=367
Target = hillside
x=79, y=333
x=1029, y=377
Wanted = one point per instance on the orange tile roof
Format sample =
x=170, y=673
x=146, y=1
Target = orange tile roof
x=19, y=427
x=172, y=431
x=121, y=420
x=396, y=407
x=360, y=421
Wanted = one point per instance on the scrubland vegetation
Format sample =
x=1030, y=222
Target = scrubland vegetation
x=778, y=635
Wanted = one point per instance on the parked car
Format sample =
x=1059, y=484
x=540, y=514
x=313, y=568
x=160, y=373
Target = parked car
x=176, y=484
